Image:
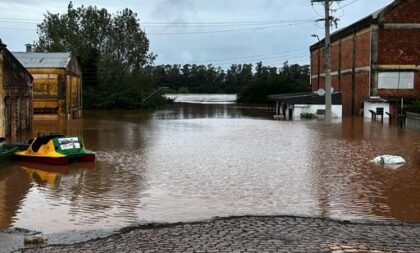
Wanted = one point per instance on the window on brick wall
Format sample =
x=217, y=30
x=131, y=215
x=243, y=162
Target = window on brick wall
x=396, y=80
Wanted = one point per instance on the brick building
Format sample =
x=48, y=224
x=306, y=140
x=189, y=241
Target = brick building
x=375, y=61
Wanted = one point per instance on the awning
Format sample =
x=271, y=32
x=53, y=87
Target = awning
x=310, y=98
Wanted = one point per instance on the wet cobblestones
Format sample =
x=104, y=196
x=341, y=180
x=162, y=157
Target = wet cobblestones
x=255, y=234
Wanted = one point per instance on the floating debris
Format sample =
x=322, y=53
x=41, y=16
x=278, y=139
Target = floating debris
x=34, y=239
x=389, y=161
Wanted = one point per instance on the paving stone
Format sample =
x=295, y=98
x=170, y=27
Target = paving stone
x=255, y=234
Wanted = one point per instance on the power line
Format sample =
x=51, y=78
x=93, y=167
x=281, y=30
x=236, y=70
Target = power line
x=261, y=27
x=247, y=61
x=228, y=22
x=316, y=11
x=352, y=2
x=291, y=53
x=214, y=25
x=261, y=58
x=225, y=31
x=189, y=25
x=258, y=55
x=17, y=29
x=216, y=64
x=10, y=19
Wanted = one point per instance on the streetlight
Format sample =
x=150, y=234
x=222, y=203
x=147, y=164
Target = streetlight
x=315, y=36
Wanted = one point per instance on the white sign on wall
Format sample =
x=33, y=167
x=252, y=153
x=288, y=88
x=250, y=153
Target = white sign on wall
x=396, y=80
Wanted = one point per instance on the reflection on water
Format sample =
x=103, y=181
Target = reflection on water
x=189, y=162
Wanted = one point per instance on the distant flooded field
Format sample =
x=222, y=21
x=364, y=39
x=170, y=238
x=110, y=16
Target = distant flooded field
x=203, y=98
x=195, y=161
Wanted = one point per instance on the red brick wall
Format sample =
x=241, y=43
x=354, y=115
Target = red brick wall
x=322, y=82
x=406, y=12
x=334, y=83
x=321, y=61
x=363, y=50
x=314, y=69
x=347, y=54
x=401, y=46
x=335, y=54
x=362, y=54
x=314, y=63
x=361, y=90
x=346, y=81
x=391, y=41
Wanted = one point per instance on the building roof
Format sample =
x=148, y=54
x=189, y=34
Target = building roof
x=17, y=63
x=357, y=26
x=376, y=100
x=43, y=60
x=311, y=98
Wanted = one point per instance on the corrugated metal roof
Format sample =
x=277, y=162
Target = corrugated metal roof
x=43, y=60
x=305, y=98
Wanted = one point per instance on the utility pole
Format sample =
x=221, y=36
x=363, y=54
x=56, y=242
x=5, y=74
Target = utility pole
x=327, y=57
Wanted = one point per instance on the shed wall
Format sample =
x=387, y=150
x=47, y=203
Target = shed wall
x=58, y=91
x=16, y=93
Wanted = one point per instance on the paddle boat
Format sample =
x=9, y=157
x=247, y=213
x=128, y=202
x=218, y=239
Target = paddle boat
x=7, y=150
x=55, y=149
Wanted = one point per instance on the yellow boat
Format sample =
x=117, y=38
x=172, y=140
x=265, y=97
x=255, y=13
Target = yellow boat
x=56, y=149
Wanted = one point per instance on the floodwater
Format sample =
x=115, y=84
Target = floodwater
x=203, y=98
x=195, y=161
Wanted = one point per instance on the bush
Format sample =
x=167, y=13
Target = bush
x=415, y=107
x=307, y=115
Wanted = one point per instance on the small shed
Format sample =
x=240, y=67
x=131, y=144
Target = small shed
x=57, y=83
x=15, y=95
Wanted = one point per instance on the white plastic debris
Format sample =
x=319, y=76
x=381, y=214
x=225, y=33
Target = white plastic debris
x=388, y=160
x=34, y=239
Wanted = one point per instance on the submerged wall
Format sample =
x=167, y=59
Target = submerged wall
x=413, y=120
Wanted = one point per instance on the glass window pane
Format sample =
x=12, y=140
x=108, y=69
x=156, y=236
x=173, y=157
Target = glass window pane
x=407, y=80
x=396, y=80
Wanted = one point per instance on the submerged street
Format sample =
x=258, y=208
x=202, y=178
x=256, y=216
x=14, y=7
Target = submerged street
x=189, y=162
x=192, y=162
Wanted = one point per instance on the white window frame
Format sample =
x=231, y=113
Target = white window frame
x=396, y=80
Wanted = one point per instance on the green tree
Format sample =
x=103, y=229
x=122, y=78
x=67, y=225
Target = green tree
x=112, y=49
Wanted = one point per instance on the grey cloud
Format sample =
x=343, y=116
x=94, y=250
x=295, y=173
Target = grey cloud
x=174, y=11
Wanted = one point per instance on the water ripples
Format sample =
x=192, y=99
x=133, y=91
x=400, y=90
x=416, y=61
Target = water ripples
x=206, y=161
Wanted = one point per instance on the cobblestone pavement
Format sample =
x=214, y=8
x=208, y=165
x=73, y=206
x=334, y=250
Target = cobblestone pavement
x=255, y=234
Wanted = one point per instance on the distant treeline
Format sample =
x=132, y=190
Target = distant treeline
x=118, y=69
x=251, y=84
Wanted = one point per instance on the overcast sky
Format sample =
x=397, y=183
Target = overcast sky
x=217, y=31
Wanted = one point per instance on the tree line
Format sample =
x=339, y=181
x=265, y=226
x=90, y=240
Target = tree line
x=118, y=70
x=252, y=84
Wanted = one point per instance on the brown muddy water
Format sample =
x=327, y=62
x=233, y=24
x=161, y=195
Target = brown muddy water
x=190, y=162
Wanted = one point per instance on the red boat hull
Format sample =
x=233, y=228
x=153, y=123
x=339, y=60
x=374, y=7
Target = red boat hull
x=57, y=160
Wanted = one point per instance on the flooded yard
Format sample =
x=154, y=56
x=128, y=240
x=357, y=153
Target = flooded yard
x=195, y=161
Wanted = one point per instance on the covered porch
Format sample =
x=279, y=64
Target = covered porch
x=290, y=106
